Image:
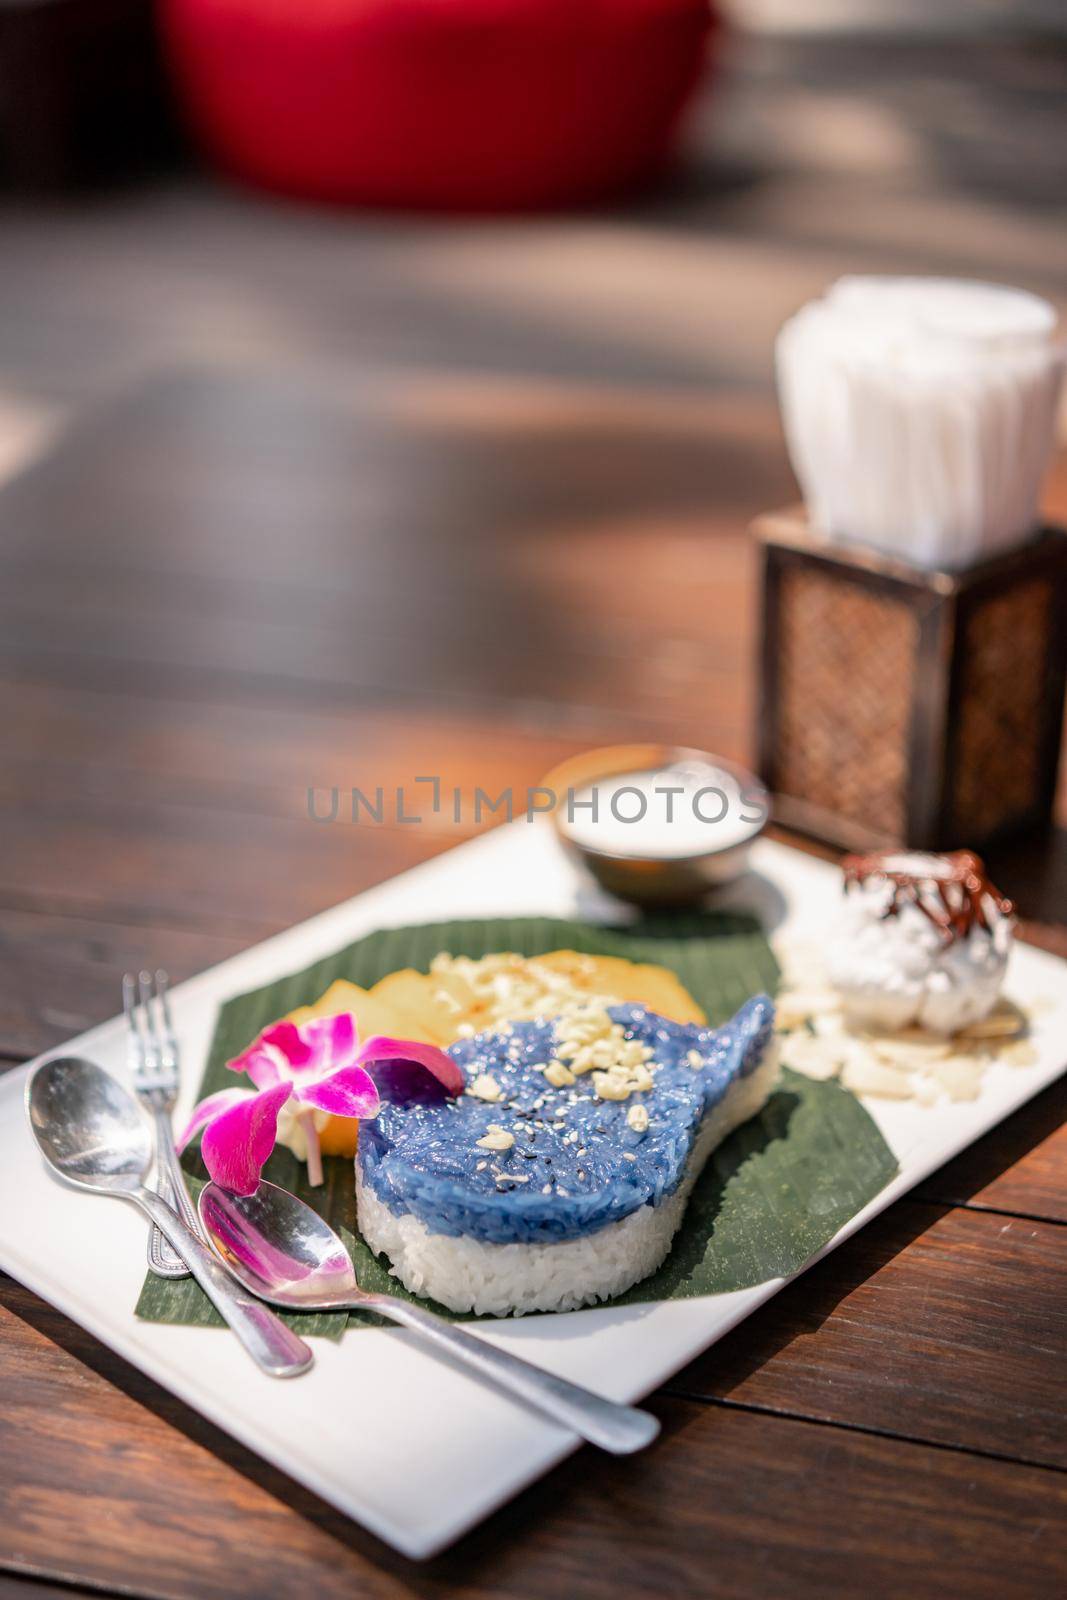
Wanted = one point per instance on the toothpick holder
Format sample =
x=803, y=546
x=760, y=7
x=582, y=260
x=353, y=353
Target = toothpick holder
x=901, y=706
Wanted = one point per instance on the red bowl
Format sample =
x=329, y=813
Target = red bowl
x=450, y=104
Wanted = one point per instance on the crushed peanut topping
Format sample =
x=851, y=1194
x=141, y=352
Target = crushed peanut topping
x=559, y=1075
x=485, y=1087
x=514, y=988
x=589, y=1040
x=619, y=1082
x=496, y=1138
x=611, y=1086
x=637, y=1117
x=695, y=1059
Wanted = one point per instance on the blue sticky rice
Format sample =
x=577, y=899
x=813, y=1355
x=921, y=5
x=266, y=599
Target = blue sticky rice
x=421, y=1156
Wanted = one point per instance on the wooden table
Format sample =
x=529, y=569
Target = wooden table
x=232, y=585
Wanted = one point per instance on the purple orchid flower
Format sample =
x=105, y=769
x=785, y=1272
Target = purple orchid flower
x=319, y=1066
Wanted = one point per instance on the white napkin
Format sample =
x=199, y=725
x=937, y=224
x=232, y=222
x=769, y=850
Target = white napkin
x=920, y=414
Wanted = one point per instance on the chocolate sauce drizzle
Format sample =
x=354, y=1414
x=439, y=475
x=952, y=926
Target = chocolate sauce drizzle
x=954, y=900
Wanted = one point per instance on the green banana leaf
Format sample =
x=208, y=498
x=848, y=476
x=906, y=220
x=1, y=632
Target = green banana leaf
x=772, y=1194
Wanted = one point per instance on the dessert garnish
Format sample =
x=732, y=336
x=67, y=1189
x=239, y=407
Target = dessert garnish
x=924, y=940
x=952, y=890
x=460, y=996
x=484, y=1087
x=903, y=1000
x=317, y=1069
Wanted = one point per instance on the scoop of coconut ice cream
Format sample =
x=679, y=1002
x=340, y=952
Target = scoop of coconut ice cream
x=922, y=940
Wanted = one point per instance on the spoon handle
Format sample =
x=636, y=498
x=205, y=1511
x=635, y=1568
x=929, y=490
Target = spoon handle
x=273, y=1346
x=618, y=1428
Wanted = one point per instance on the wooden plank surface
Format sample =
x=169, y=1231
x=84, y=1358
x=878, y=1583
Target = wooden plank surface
x=940, y=1326
x=744, y=1501
x=396, y=542
x=1018, y=1169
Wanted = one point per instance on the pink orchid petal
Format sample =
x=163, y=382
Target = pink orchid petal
x=299, y=1047
x=206, y=1110
x=260, y=1065
x=237, y=1142
x=348, y=1092
x=338, y=1037
x=440, y=1065
x=321, y=1044
x=285, y=1051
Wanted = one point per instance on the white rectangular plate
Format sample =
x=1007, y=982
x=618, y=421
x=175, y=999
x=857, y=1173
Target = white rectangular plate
x=411, y=1449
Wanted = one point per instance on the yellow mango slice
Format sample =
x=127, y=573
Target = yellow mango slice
x=373, y=1013
x=419, y=995
x=639, y=983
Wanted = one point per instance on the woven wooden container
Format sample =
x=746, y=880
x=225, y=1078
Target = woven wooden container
x=909, y=707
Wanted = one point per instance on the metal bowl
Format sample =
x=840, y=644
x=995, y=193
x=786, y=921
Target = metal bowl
x=657, y=880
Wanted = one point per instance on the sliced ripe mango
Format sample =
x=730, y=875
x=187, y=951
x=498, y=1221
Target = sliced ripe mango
x=373, y=1013
x=420, y=996
x=640, y=983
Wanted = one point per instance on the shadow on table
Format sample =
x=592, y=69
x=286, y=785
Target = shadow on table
x=805, y=1305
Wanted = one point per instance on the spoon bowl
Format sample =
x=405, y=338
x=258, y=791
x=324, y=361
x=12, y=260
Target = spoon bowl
x=278, y=1247
x=87, y=1126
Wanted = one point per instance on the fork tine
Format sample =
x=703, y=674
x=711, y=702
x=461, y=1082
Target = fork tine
x=135, y=1043
x=129, y=1001
x=139, y=1020
x=147, y=1032
x=153, y=1056
x=168, y=1043
x=164, y=1001
x=148, y=991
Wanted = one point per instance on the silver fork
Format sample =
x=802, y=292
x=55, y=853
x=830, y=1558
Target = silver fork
x=153, y=1055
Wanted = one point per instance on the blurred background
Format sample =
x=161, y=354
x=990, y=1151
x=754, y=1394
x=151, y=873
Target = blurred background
x=825, y=136
x=387, y=388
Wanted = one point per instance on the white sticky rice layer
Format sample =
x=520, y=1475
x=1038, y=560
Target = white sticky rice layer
x=468, y=1274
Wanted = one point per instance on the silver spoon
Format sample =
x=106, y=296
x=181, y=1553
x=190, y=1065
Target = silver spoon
x=281, y=1249
x=91, y=1133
